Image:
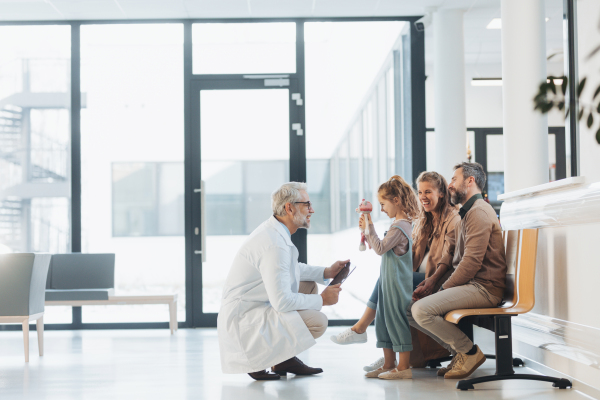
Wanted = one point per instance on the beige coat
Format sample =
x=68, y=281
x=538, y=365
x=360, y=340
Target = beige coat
x=438, y=244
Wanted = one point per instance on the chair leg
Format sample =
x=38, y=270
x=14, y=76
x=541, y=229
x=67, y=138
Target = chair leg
x=40, y=334
x=26, y=338
x=467, y=384
x=173, y=316
x=505, y=362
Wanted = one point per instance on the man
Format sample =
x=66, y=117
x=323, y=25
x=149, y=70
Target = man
x=479, y=276
x=270, y=307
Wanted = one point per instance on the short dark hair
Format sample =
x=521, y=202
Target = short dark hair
x=475, y=170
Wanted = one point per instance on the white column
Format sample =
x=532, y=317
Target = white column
x=449, y=86
x=523, y=69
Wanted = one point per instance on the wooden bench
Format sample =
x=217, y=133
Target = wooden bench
x=79, y=280
x=169, y=299
x=519, y=298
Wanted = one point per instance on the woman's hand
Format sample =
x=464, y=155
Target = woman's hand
x=424, y=289
x=361, y=221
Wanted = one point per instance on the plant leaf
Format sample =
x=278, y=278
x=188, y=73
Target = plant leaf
x=567, y=113
x=593, y=52
x=590, y=120
x=598, y=108
x=598, y=136
x=581, y=86
x=580, y=115
x=561, y=105
x=596, y=92
x=551, y=85
x=564, y=85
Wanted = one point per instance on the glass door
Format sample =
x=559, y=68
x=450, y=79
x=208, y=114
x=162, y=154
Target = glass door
x=245, y=148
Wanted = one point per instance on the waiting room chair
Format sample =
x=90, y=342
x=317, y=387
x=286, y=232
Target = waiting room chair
x=23, y=291
x=519, y=298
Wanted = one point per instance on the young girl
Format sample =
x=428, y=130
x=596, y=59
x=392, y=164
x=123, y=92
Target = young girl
x=398, y=201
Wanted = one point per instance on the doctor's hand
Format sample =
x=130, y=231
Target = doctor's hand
x=331, y=294
x=332, y=271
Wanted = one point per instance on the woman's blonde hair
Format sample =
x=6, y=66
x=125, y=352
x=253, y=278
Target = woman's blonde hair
x=424, y=228
x=397, y=187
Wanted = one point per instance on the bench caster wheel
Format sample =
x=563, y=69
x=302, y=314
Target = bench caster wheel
x=562, y=384
x=517, y=362
x=464, y=385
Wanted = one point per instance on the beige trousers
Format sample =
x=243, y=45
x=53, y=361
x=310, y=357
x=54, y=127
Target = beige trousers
x=315, y=321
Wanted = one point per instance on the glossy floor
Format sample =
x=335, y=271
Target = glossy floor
x=151, y=364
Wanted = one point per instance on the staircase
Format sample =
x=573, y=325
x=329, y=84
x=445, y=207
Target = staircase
x=10, y=224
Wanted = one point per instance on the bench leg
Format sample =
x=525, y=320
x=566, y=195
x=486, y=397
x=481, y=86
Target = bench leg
x=173, y=316
x=40, y=334
x=26, y=338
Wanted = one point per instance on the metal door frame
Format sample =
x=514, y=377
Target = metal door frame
x=297, y=171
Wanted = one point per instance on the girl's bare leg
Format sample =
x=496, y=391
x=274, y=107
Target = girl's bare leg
x=389, y=359
x=364, y=321
x=403, y=360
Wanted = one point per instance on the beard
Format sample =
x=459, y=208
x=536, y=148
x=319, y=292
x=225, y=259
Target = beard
x=459, y=194
x=301, y=221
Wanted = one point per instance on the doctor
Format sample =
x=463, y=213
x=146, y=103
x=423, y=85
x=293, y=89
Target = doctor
x=270, y=307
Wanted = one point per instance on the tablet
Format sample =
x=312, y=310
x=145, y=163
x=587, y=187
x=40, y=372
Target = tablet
x=342, y=275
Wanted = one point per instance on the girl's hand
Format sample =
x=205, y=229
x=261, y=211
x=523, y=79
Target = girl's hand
x=361, y=221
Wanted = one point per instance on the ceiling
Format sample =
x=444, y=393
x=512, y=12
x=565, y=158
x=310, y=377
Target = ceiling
x=482, y=46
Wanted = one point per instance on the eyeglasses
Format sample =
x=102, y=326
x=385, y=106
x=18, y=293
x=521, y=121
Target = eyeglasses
x=308, y=203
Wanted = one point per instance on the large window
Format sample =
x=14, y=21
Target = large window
x=35, y=142
x=350, y=139
x=132, y=162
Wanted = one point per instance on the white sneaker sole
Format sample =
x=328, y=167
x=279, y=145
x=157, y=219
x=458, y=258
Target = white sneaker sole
x=335, y=340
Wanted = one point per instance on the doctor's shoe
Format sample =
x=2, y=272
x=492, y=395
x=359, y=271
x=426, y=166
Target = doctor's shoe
x=349, y=337
x=263, y=376
x=296, y=367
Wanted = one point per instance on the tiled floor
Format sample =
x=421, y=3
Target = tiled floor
x=142, y=364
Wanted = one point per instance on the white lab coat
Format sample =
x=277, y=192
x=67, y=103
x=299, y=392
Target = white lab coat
x=258, y=324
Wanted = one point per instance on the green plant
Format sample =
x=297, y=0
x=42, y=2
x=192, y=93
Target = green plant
x=550, y=95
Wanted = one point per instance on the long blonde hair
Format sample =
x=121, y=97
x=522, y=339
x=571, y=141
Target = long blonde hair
x=424, y=228
x=397, y=187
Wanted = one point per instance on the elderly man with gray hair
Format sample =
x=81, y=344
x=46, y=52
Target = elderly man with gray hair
x=270, y=307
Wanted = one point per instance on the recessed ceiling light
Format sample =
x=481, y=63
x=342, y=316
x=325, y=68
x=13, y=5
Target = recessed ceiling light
x=496, y=23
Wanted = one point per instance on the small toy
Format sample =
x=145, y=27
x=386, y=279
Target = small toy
x=365, y=207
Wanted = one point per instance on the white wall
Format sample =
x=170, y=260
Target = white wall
x=588, y=20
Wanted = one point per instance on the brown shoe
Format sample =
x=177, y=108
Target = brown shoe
x=442, y=371
x=296, y=367
x=466, y=365
x=263, y=376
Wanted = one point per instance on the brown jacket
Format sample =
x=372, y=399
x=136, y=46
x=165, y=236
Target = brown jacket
x=478, y=252
x=439, y=242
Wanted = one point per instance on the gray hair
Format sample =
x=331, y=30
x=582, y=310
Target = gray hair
x=287, y=193
x=475, y=170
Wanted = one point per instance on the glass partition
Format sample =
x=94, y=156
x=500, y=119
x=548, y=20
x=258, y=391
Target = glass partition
x=35, y=141
x=132, y=162
x=350, y=129
x=244, y=48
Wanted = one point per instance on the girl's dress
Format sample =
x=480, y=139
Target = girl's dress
x=395, y=286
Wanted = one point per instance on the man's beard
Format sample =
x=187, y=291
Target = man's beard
x=459, y=195
x=301, y=221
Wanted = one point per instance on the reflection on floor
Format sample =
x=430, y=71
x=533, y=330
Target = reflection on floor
x=151, y=364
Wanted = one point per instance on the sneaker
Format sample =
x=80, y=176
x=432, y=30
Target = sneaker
x=466, y=365
x=442, y=371
x=349, y=337
x=375, y=365
x=395, y=374
x=375, y=374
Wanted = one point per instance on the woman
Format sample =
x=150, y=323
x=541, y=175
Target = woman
x=433, y=230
